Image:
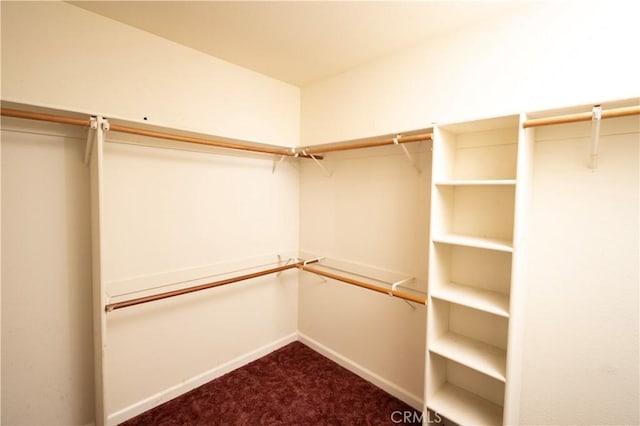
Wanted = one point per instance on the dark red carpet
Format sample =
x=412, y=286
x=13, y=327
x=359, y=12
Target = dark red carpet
x=291, y=386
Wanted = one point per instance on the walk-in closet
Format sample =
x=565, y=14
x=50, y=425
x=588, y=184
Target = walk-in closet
x=204, y=229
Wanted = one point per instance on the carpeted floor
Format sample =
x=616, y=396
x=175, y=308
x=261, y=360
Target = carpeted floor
x=291, y=386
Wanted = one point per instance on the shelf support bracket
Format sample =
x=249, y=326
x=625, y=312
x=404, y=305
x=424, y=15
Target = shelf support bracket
x=324, y=169
x=97, y=127
x=314, y=260
x=279, y=160
x=396, y=141
x=91, y=137
x=596, y=119
x=280, y=261
x=275, y=163
x=413, y=308
x=395, y=285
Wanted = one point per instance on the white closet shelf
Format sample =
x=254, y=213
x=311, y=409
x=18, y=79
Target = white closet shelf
x=480, y=356
x=476, y=182
x=465, y=408
x=484, y=300
x=477, y=242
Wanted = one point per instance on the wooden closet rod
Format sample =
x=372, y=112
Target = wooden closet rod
x=86, y=122
x=146, y=299
x=17, y=113
x=583, y=116
x=200, y=141
x=264, y=149
x=317, y=149
x=401, y=294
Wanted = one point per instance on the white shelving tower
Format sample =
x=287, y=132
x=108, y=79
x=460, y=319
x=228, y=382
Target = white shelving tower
x=478, y=207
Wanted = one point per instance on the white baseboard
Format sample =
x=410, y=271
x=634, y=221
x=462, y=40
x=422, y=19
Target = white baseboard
x=199, y=380
x=384, y=384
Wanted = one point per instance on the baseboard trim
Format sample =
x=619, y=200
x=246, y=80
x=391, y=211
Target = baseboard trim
x=384, y=384
x=199, y=380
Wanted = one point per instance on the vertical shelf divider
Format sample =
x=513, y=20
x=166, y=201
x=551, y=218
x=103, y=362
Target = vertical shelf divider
x=518, y=275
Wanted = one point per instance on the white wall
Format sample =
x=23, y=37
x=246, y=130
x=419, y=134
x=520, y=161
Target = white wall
x=172, y=216
x=581, y=342
x=60, y=56
x=56, y=55
x=372, y=216
x=47, y=360
x=548, y=55
x=581, y=360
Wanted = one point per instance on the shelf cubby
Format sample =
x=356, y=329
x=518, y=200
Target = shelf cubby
x=464, y=396
x=484, y=212
x=472, y=277
x=470, y=337
x=464, y=407
x=477, y=355
x=481, y=150
x=472, y=297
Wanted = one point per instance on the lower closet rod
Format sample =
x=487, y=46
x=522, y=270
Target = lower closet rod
x=401, y=294
x=140, y=300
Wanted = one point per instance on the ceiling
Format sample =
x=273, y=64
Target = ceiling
x=297, y=41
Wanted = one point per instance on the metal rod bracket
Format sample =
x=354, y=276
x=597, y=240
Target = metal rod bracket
x=324, y=169
x=286, y=263
x=313, y=260
x=91, y=135
x=275, y=163
x=410, y=304
x=395, y=285
x=414, y=162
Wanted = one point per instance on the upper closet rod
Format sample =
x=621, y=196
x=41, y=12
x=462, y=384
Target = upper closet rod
x=17, y=113
x=318, y=149
x=86, y=122
x=583, y=116
x=265, y=149
x=401, y=294
x=146, y=299
x=201, y=141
